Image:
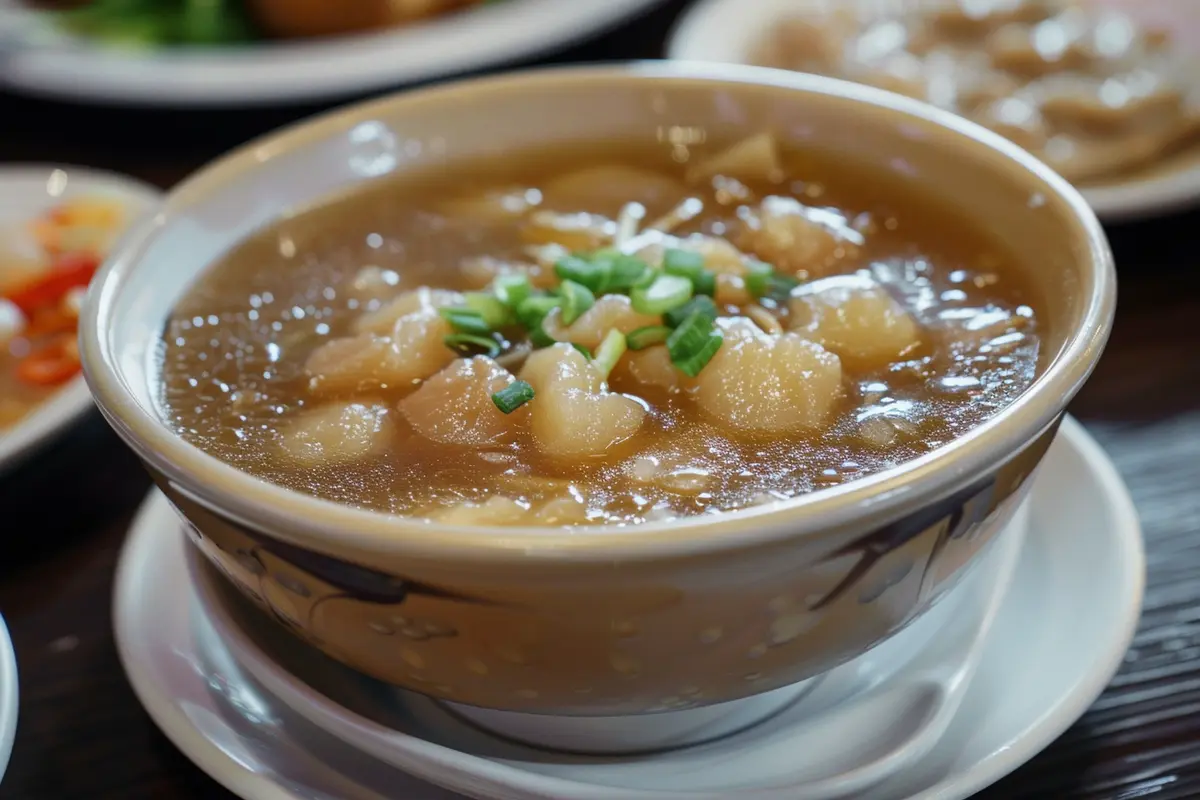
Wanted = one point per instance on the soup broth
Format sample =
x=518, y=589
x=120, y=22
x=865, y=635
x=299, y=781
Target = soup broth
x=376, y=350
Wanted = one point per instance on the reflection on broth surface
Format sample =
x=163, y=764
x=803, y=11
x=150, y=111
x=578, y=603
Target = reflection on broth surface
x=608, y=343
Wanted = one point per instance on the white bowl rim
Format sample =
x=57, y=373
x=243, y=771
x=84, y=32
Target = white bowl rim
x=331, y=527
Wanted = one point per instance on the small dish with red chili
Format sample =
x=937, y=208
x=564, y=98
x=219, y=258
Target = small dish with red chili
x=57, y=225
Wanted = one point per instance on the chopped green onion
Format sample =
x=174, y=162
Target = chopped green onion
x=468, y=345
x=702, y=304
x=512, y=289
x=667, y=292
x=494, y=312
x=687, y=264
x=576, y=299
x=586, y=353
x=466, y=320
x=589, y=272
x=629, y=272
x=533, y=310
x=763, y=281
x=682, y=262
x=705, y=283
x=513, y=396
x=758, y=275
x=780, y=286
x=693, y=344
x=647, y=336
x=609, y=352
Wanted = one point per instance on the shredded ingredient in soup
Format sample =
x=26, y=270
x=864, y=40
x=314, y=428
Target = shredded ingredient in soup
x=645, y=336
x=1082, y=86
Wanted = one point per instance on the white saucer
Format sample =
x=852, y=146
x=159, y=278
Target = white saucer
x=27, y=190
x=8, y=697
x=1081, y=572
x=728, y=31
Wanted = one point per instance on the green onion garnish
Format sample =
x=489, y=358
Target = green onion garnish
x=629, y=272
x=609, y=352
x=513, y=396
x=667, y=292
x=693, y=344
x=647, y=336
x=512, y=289
x=466, y=320
x=701, y=304
x=758, y=276
x=687, y=264
x=589, y=272
x=763, y=281
x=682, y=262
x=533, y=310
x=494, y=312
x=467, y=344
x=780, y=286
x=586, y=353
x=576, y=299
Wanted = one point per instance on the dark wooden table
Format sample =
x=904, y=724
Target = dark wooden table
x=83, y=735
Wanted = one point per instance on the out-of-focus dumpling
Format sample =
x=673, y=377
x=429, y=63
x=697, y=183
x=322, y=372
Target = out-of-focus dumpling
x=455, y=405
x=572, y=414
x=763, y=385
x=855, y=317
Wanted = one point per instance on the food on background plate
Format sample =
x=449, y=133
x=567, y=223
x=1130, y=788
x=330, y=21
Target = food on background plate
x=607, y=334
x=141, y=23
x=1080, y=85
x=45, y=268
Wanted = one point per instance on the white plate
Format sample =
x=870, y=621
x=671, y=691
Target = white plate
x=1073, y=608
x=25, y=192
x=727, y=31
x=9, y=703
x=281, y=72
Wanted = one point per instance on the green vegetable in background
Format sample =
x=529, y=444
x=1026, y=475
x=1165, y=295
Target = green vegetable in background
x=151, y=23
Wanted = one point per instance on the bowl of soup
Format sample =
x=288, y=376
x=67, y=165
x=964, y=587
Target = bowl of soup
x=603, y=390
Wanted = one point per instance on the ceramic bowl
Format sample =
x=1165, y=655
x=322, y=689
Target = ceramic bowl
x=662, y=616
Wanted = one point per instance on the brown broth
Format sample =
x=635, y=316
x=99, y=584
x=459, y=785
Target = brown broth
x=234, y=348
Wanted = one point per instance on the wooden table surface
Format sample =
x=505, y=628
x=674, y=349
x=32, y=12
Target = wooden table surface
x=83, y=735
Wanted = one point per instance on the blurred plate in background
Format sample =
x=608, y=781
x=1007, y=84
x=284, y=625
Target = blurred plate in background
x=730, y=31
x=26, y=191
x=285, y=71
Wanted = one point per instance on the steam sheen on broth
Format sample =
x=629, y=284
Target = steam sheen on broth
x=859, y=324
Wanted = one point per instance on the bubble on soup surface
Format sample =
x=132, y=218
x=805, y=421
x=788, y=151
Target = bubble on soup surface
x=572, y=414
x=383, y=320
x=760, y=385
x=797, y=238
x=338, y=433
x=855, y=317
x=413, y=351
x=455, y=405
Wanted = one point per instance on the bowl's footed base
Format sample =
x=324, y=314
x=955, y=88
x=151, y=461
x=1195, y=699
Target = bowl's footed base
x=665, y=730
